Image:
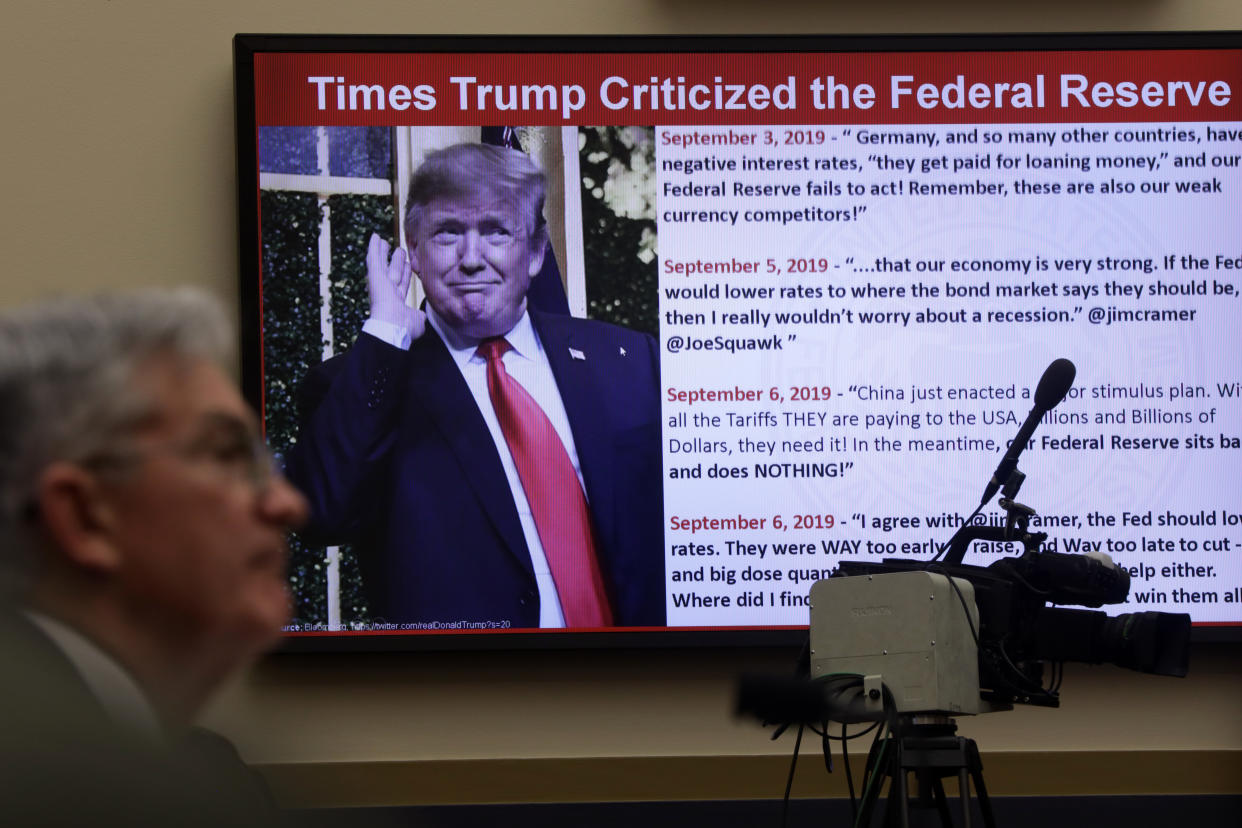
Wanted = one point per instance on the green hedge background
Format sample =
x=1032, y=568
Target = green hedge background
x=293, y=343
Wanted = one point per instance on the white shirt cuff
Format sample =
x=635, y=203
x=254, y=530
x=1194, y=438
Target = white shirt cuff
x=394, y=335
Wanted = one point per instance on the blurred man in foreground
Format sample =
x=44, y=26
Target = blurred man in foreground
x=143, y=561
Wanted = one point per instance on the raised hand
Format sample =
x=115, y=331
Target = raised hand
x=388, y=285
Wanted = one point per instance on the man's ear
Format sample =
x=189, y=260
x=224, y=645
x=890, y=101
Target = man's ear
x=411, y=252
x=76, y=517
x=536, y=260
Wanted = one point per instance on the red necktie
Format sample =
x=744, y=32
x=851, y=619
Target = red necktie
x=553, y=491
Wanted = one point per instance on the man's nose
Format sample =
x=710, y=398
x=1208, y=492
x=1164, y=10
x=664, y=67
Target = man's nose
x=284, y=504
x=472, y=252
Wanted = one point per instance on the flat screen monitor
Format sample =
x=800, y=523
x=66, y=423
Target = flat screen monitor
x=784, y=302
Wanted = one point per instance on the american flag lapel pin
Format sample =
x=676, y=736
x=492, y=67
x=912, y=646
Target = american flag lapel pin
x=622, y=350
x=576, y=354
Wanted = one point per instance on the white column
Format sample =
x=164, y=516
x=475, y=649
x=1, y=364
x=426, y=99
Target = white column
x=575, y=267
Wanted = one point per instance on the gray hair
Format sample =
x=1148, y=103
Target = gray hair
x=66, y=382
x=466, y=170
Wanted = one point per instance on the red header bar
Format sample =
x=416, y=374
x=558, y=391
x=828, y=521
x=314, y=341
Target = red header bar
x=748, y=88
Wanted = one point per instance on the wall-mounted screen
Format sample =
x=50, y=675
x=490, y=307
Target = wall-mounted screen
x=631, y=340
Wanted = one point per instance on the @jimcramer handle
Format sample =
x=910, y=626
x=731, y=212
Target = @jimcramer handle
x=490, y=462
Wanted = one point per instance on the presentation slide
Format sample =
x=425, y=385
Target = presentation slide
x=864, y=262
x=854, y=319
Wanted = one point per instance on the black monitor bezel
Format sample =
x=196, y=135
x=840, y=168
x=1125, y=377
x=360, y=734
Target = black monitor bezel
x=246, y=46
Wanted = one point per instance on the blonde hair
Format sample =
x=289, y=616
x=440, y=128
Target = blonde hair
x=465, y=170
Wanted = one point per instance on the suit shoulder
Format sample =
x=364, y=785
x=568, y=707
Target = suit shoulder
x=593, y=329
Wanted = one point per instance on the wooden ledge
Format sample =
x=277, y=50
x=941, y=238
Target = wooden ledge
x=673, y=778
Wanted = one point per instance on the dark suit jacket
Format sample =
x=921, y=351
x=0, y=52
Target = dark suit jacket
x=396, y=458
x=66, y=763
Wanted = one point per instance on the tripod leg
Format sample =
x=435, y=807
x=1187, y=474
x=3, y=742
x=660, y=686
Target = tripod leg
x=942, y=803
x=963, y=793
x=899, y=794
x=981, y=791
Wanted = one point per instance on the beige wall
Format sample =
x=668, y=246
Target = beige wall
x=118, y=151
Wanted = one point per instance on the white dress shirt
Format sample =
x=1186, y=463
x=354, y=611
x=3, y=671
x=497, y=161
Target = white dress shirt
x=117, y=691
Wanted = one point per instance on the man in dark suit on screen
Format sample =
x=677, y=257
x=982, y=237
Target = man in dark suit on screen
x=493, y=464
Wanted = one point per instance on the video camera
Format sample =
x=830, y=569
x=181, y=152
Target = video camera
x=1016, y=631
x=914, y=636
